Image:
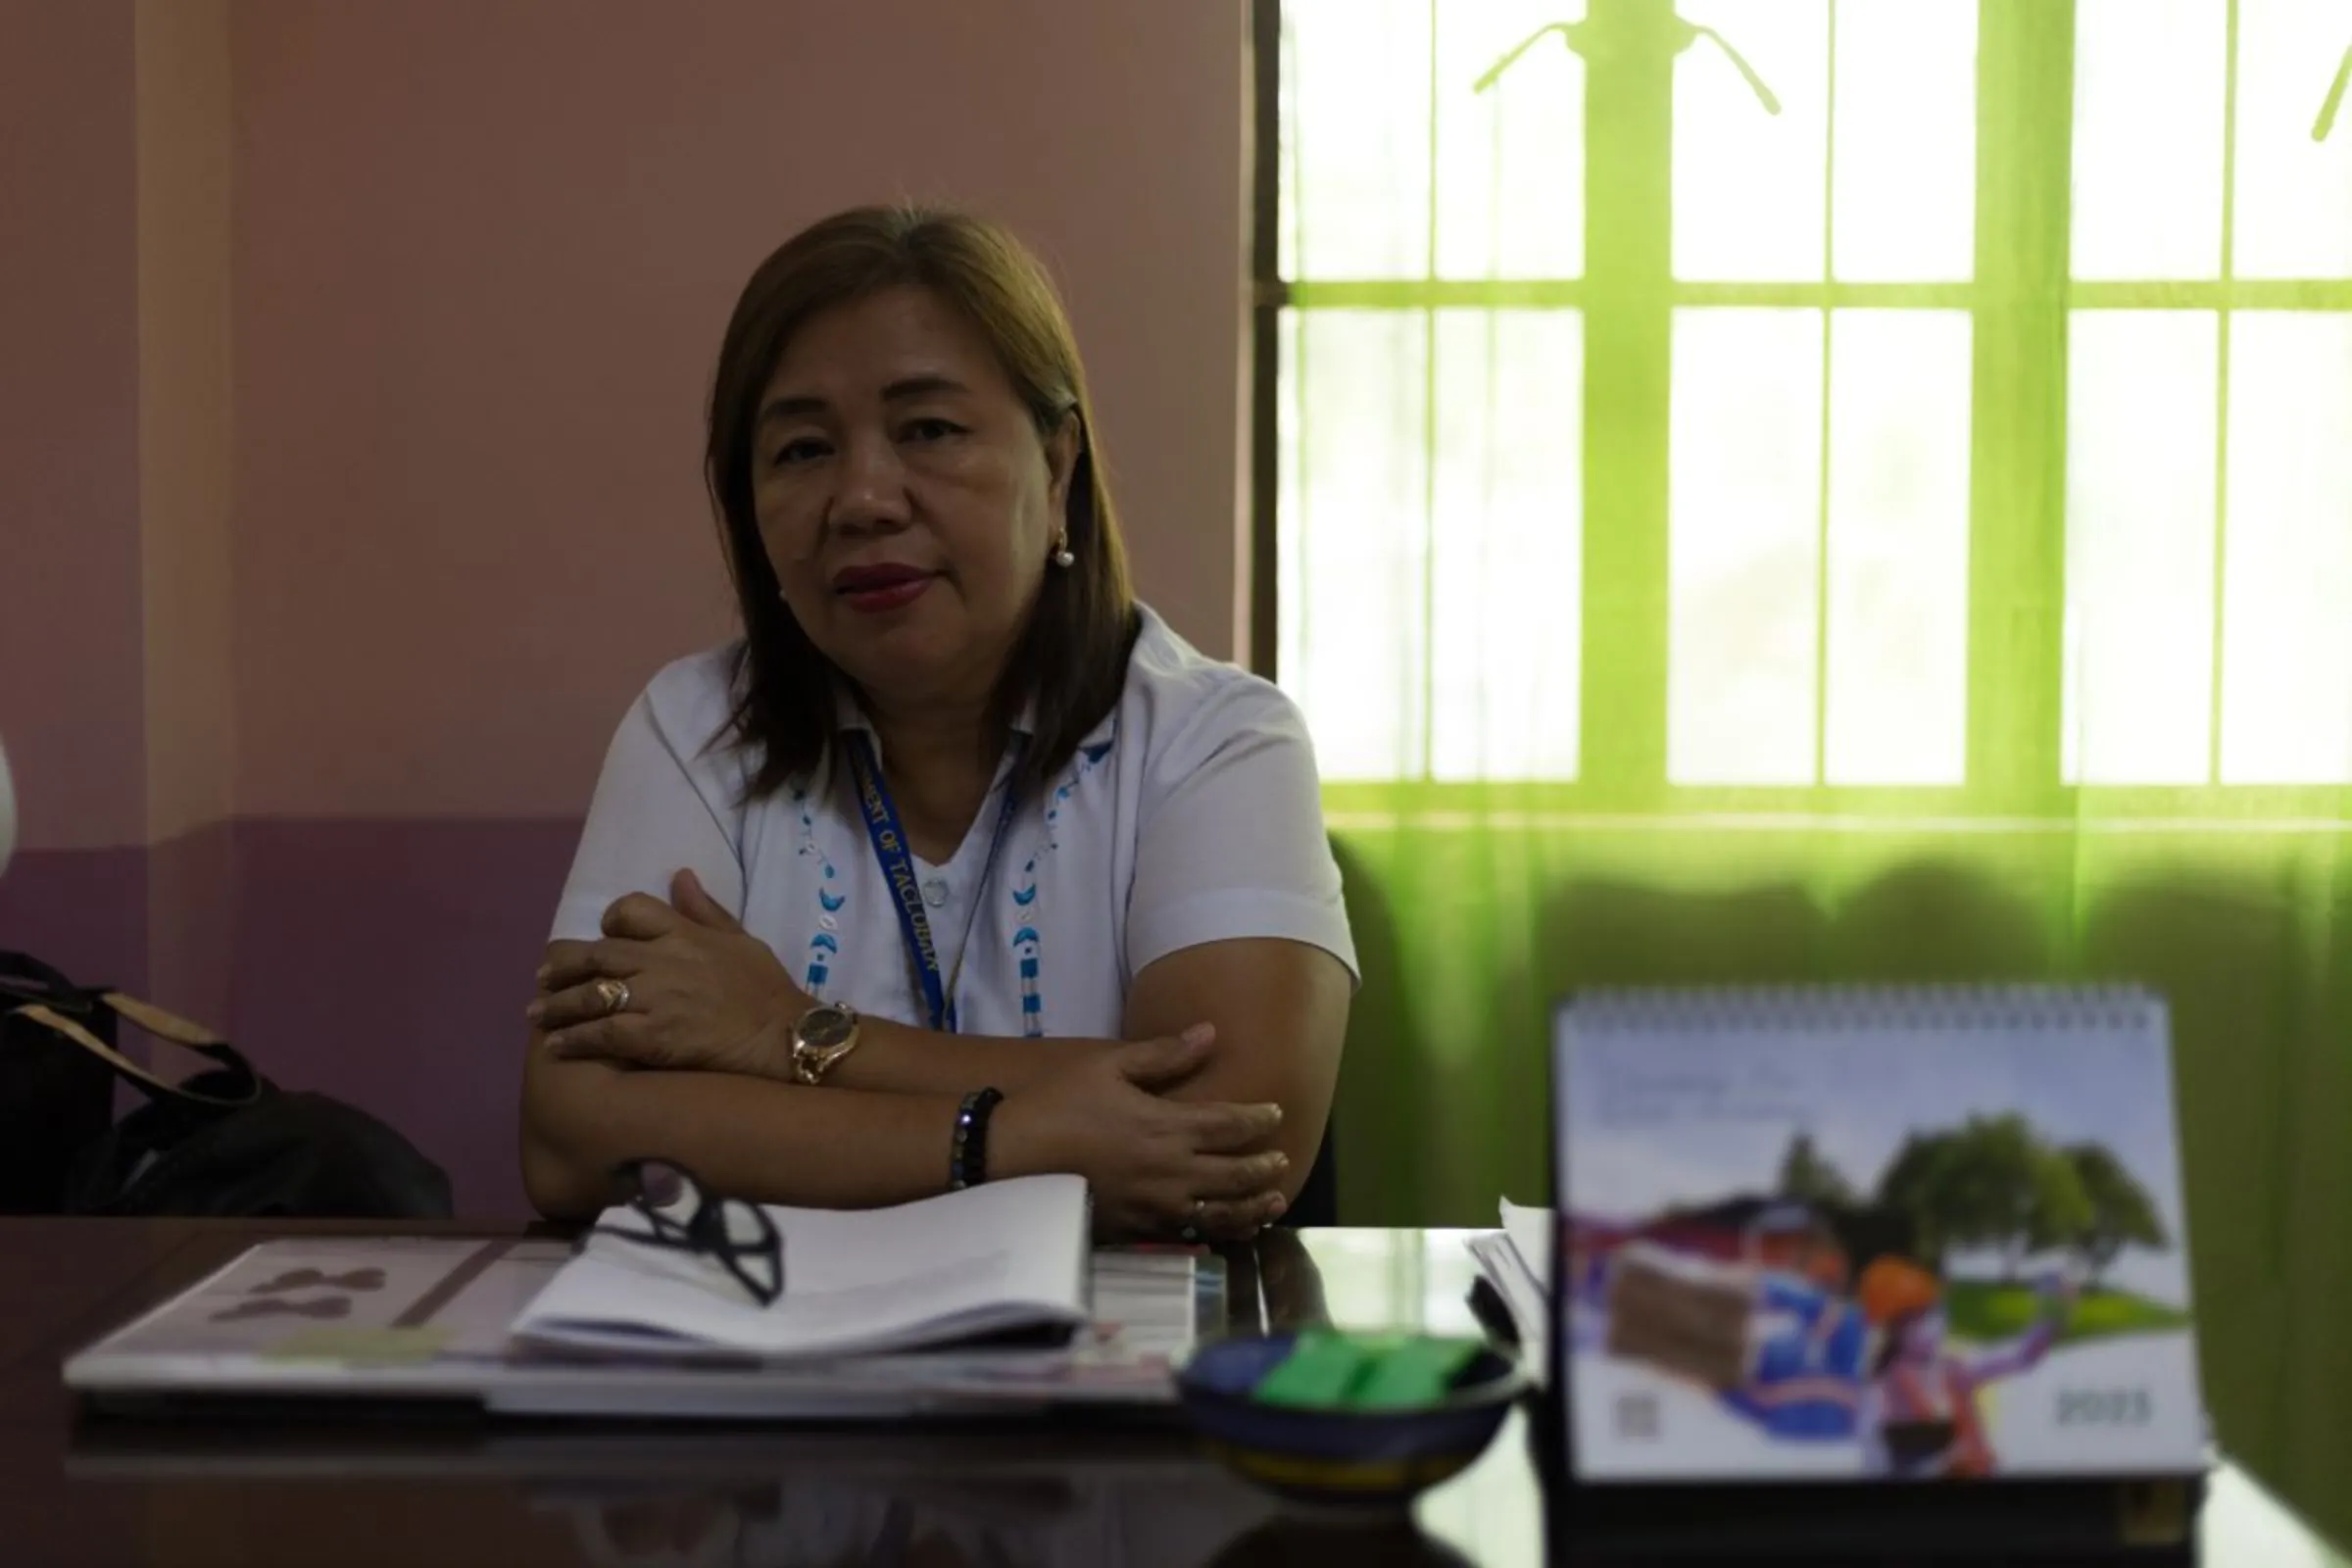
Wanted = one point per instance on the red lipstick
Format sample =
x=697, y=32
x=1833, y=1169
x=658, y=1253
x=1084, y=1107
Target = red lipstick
x=882, y=587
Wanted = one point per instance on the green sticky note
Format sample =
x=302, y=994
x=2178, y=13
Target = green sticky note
x=1321, y=1369
x=379, y=1347
x=1419, y=1371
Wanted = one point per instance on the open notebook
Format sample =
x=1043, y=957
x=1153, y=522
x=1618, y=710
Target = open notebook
x=1003, y=1258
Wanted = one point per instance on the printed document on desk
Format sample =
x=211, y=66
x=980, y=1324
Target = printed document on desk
x=1516, y=1260
x=426, y=1317
x=1000, y=1259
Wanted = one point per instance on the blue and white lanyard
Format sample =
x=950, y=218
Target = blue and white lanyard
x=891, y=854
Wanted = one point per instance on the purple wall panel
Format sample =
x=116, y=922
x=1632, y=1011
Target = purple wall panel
x=83, y=910
x=388, y=963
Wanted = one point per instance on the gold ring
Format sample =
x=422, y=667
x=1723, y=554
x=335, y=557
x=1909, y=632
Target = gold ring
x=613, y=994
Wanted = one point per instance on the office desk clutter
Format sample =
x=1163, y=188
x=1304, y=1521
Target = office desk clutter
x=1804, y=1251
x=350, y=1484
x=981, y=1302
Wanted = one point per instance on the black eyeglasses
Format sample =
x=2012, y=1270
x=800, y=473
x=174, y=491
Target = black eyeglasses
x=683, y=1215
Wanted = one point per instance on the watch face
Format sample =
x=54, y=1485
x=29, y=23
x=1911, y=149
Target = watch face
x=827, y=1025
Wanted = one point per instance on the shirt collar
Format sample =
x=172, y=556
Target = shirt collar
x=848, y=716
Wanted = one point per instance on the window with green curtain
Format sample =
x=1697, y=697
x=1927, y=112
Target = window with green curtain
x=1832, y=489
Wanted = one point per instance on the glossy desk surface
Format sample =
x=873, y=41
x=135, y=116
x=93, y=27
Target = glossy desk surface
x=77, y=1491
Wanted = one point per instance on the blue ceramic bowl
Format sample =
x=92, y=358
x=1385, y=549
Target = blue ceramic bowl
x=1333, y=1455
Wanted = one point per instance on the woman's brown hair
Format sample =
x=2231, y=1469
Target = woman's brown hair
x=1071, y=661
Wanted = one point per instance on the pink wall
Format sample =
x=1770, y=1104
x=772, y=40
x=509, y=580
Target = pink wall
x=485, y=250
x=184, y=411
x=349, y=424
x=71, y=641
x=185, y=417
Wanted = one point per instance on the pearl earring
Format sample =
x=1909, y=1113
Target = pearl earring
x=1061, y=551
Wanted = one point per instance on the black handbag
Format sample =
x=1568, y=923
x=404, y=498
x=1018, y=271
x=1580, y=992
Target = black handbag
x=55, y=1097
x=226, y=1142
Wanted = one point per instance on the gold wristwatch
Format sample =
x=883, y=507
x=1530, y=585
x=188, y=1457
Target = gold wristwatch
x=826, y=1033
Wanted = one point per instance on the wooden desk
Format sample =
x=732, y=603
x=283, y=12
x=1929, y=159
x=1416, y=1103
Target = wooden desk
x=460, y=1491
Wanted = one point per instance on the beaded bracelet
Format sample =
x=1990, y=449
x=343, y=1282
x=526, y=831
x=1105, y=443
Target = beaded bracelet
x=967, y=1160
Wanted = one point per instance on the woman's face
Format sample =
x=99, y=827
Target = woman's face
x=905, y=496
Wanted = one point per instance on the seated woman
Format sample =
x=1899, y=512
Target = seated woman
x=959, y=864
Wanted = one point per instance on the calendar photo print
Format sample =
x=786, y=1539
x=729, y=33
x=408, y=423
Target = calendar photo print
x=1842, y=1235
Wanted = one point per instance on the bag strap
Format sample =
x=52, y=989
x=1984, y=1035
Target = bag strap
x=165, y=1026
x=25, y=978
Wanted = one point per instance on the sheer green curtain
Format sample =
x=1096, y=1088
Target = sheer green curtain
x=1785, y=489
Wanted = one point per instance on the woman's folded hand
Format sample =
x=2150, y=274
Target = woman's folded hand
x=676, y=986
x=1155, y=1165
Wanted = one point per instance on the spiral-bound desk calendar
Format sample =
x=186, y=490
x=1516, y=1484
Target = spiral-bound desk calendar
x=1852, y=1235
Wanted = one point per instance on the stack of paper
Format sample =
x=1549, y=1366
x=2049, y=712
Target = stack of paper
x=1517, y=1262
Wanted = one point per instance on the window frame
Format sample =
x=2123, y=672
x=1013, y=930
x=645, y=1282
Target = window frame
x=2021, y=301
x=2221, y=296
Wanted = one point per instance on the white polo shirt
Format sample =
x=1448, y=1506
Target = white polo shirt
x=1190, y=815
